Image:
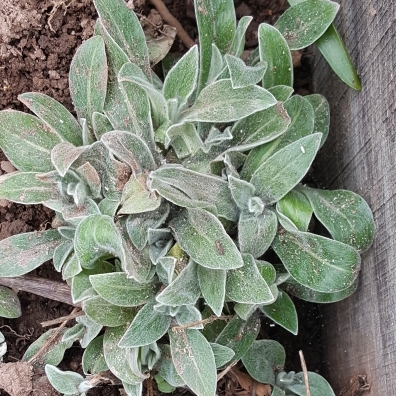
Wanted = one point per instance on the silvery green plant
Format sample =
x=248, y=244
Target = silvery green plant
x=168, y=196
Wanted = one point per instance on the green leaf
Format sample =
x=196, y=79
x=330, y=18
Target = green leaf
x=216, y=24
x=117, y=289
x=220, y=102
x=283, y=312
x=66, y=382
x=124, y=27
x=194, y=361
x=256, y=233
x=54, y=115
x=27, y=141
x=345, y=215
x=122, y=362
x=100, y=124
x=241, y=191
x=184, y=138
x=239, y=334
x=276, y=391
x=244, y=311
x=242, y=75
x=333, y=49
x=322, y=114
x=184, y=290
x=162, y=385
x=167, y=369
x=283, y=170
x=222, y=354
x=306, y=294
x=281, y=92
x=73, y=333
x=302, y=24
x=201, y=235
x=10, y=306
x=63, y=155
x=191, y=189
x=91, y=178
x=71, y=267
x=238, y=42
x=108, y=207
x=26, y=188
x=317, y=384
x=274, y=50
x=181, y=80
x=296, y=207
x=93, y=361
x=316, y=262
x=263, y=359
x=133, y=390
x=106, y=314
x=20, y=254
x=246, y=285
x=92, y=329
x=97, y=236
x=88, y=78
x=148, y=326
x=212, y=284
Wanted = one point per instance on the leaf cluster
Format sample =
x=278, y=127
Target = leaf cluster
x=169, y=195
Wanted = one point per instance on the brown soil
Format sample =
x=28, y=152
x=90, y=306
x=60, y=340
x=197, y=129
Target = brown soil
x=38, y=39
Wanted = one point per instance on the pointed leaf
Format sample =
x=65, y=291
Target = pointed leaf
x=63, y=155
x=100, y=124
x=322, y=114
x=55, y=115
x=201, y=235
x=194, y=361
x=220, y=102
x=316, y=262
x=66, y=382
x=93, y=361
x=187, y=315
x=147, y=326
x=246, y=285
x=71, y=267
x=317, y=384
x=73, y=333
x=238, y=42
x=184, y=138
x=345, y=215
x=302, y=24
x=88, y=173
x=283, y=312
x=106, y=314
x=256, y=233
x=10, y=306
x=20, y=254
x=92, y=329
x=212, y=283
x=275, y=51
x=117, y=289
x=263, y=359
x=27, y=141
x=184, y=290
x=222, y=354
x=88, y=78
x=167, y=369
x=281, y=92
x=61, y=253
x=282, y=171
x=245, y=311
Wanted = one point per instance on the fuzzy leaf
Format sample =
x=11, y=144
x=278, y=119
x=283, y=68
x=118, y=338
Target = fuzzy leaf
x=184, y=138
x=92, y=329
x=93, y=361
x=283, y=312
x=322, y=114
x=241, y=191
x=282, y=171
x=147, y=326
x=212, y=283
x=20, y=254
x=26, y=188
x=263, y=358
x=256, y=233
x=184, y=290
x=239, y=334
x=238, y=42
x=117, y=289
x=281, y=92
x=302, y=24
x=201, y=235
x=73, y=333
x=66, y=382
x=194, y=361
x=274, y=50
x=167, y=369
x=222, y=354
x=316, y=262
x=345, y=215
x=27, y=141
x=100, y=124
x=63, y=155
x=88, y=78
x=190, y=189
x=88, y=173
x=242, y=75
x=246, y=285
x=10, y=306
x=71, y=267
x=54, y=115
x=220, y=102
x=106, y=314
x=97, y=236
x=317, y=384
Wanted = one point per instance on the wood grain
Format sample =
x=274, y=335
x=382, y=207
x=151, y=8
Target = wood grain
x=360, y=155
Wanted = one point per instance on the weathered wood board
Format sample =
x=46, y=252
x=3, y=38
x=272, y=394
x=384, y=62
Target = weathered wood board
x=360, y=155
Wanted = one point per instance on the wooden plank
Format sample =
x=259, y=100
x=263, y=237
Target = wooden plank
x=360, y=155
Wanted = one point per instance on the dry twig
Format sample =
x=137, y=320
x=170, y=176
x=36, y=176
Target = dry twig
x=304, y=368
x=202, y=322
x=62, y=319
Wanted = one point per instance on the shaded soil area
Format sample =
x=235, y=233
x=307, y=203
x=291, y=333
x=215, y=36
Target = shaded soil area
x=38, y=39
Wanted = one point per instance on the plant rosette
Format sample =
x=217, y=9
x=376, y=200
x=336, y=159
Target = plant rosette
x=168, y=194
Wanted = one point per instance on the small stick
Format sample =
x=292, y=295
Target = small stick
x=226, y=370
x=51, y=339
x=169, y=18
x=304, y=368
x=203, y=322
x=62, y=319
